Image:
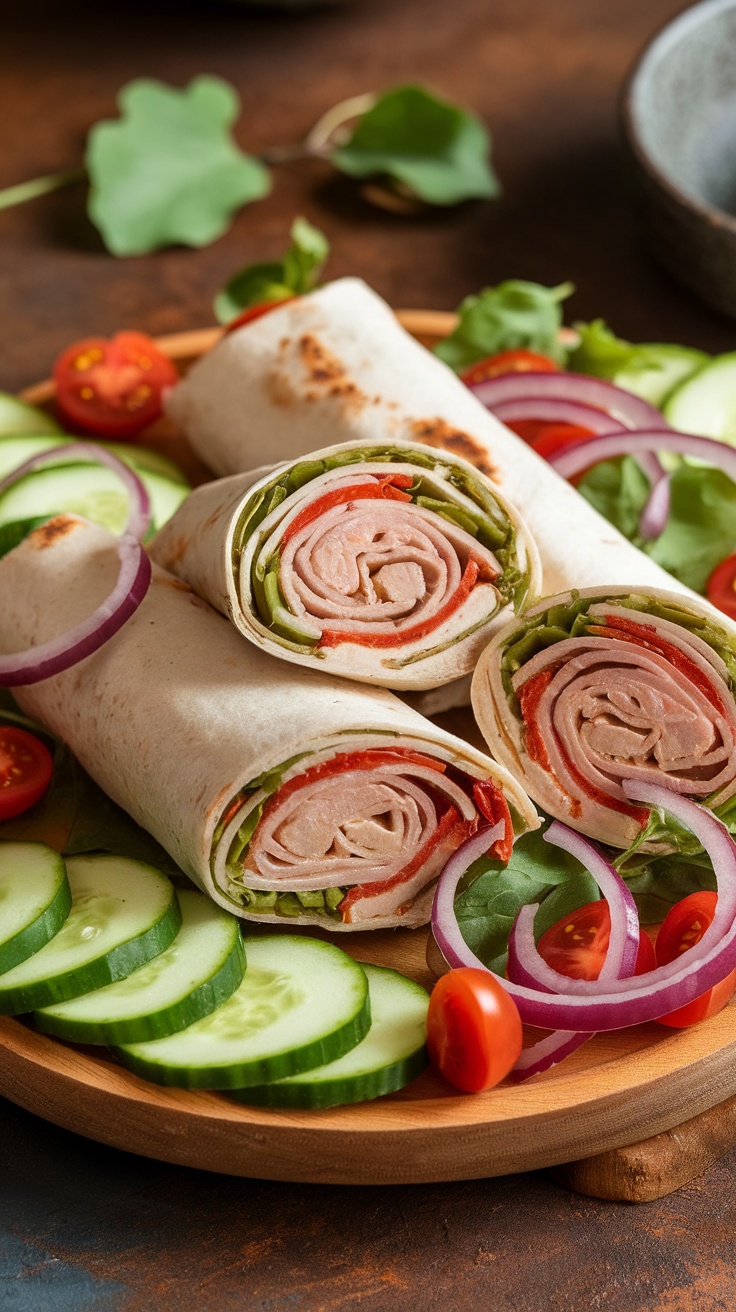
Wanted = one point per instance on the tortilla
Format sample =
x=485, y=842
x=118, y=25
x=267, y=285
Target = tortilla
x=252, y=773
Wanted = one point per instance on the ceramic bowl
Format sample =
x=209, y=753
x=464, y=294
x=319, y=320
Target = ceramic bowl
x=679, y=120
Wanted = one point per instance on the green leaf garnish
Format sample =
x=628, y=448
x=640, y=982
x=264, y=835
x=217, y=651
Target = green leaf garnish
x=294, y=275
x=168, y=170
x=514, y=315
x=433, y=148
x=651, y=370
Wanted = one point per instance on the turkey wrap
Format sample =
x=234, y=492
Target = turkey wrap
x=389, y=563
x=593, y=688
x=287, y=795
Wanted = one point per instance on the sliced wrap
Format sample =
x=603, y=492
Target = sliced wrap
x=286, y=795
x=595, y=687
x=392, y=564
x=336, y=365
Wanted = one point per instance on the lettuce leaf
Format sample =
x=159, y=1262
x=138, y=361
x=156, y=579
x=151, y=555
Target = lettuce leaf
x=513, y=315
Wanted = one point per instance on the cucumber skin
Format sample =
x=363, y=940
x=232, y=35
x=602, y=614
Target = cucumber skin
x=336, y=1093
x=35, y=936
x=120, y=962
x=205, y=999
x=276, y=1067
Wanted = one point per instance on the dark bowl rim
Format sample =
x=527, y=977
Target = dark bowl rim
x=711, y=213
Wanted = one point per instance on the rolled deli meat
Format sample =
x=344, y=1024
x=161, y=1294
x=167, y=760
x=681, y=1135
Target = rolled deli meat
x=594, y=688
x=336, y=365
x=387, y=563
x=287, y=795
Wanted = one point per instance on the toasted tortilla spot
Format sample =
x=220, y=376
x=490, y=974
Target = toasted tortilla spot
x=438, y=433
x=47, y=534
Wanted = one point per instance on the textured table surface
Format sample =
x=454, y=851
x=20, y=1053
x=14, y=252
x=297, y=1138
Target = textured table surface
x=84, y=1228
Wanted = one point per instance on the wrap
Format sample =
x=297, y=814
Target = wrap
x=336, y=365
x=287, y=795
x=595, y=687
x=391, y=564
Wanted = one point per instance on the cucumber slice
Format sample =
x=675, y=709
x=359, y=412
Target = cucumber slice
x=201, y=969
x=17, y=416
x=302, y=1003
x=123, y=914
x=89, y=490
x=35, y=900
x=706, y=402
x=661, y=368
x=392, y=1053
x=15, y=450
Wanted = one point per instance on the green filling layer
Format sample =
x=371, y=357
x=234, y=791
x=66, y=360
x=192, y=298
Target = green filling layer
x=490, y=526
x=323, y=902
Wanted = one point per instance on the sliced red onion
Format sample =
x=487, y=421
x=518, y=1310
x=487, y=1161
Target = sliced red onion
x=547, y=1052
x=574, y=459
x=557, y=411
x=654, y=516
x=586, y=1005
x=131, y=585
x=139, y=508
x=69, y=648
x=628, y=409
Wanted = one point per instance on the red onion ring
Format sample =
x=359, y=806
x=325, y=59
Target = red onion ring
x=584, y=1005
x=558, y=411
x=654, y=516
x=571, y=461
x=628, y=409
x=131, y=585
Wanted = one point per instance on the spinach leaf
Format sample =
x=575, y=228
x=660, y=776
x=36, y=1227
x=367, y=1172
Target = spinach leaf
x=168, y=170
x=440, y=153
x=295, y=274
x=513, y=315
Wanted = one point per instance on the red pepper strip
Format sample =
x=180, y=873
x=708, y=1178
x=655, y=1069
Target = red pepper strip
x=493, y=806
x=530, y=695
x=640, y=634
x=387, y=489
x=365, y=760
x=333, y=637
x=446, y=828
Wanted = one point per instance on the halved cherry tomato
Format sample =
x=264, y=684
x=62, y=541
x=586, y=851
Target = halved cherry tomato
x=683, y=927
x=473, y=1029
x=112, y=387
x=256, y=312
x=26, y=767
x=549, y=438
x=721, y=589
x=508, y=362
x=577, y=944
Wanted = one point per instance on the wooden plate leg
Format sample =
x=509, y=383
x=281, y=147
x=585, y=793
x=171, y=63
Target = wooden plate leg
x=657, y=1166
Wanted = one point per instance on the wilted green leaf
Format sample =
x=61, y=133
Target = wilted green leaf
x=168, y=170
x=514, y=315
x=440, y=152
x=294, y=275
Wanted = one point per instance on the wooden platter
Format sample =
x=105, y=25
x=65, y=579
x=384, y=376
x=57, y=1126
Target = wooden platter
x=598, y=1105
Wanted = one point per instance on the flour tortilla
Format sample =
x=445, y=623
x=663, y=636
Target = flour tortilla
x=202, y=544
x=176, y=715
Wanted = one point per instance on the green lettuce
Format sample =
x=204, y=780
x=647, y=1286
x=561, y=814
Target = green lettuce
x=513, y=315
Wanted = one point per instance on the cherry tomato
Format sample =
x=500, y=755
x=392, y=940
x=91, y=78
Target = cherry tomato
x=683, y=927
x=508, y=362
x=112, y=387
x=25, y=770
x=473, y=1029
x=577, y=944
x=721, y=589
x=257, y=312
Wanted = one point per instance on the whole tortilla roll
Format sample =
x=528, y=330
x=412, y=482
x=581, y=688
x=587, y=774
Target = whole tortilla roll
x=389, y=563
x=336, y=365
x=596, y=687
x=285, y=794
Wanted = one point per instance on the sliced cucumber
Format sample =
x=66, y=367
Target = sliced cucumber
x=706, y=402
x=17, y=416
x=302, y=1003
x=657, y=369
x=123, y=914
x=89, y=490
x=35, y=900
x=392, y=1053
x=15, y=450
x=201, y=969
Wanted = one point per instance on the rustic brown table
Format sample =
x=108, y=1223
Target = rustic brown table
x=88, y=1229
